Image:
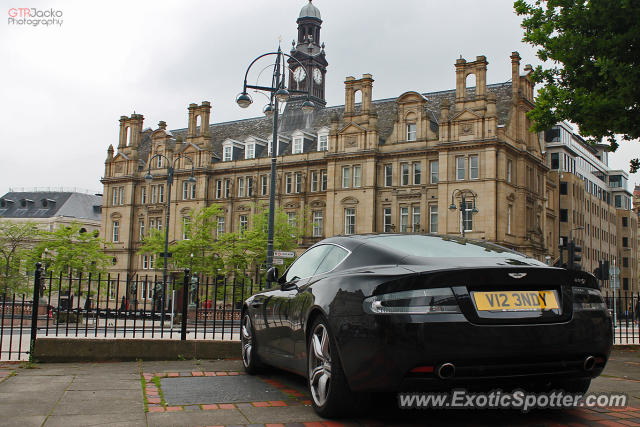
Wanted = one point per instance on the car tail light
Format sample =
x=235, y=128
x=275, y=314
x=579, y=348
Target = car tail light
x=588, y=299
x=421, y=301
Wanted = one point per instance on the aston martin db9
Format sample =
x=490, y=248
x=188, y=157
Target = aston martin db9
x=398, y=312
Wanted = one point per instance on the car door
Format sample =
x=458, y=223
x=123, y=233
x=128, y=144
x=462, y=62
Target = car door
x=280, y=307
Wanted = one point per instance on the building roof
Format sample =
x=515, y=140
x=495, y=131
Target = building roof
x=48, y=204
x=294, y=119
x=309, y=10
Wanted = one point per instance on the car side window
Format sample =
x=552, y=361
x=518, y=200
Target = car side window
x=307, y=264
x=332, y=259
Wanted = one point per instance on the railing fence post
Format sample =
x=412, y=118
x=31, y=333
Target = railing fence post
x=185, y=289
x=37, y=284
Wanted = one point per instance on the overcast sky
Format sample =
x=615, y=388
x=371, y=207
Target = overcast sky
x=65, y=86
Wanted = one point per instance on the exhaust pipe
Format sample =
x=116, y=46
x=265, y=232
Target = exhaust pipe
x=446, y=371
x=589, y=363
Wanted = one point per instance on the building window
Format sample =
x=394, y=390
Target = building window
x=625, y=242
x=193, y=190
x=218, y=189
x=625, y=221
x=298, y=182
x=411, y=131
x=433, y=171
x=158, y=224
x=152, y=259
x=564, y=215
x=117, y=196
x=467, y=217
x=291, y=219
x=509, y=209
x=288, y=179
x=625, y=284
x=555, y=161
x=314, y=180
x=116, y=231
x=145, y=262
x=415, y=219
x=152, y=223
x=625, y=262
x=404, y=219
x=357, y=179
x=185, y=190
x=433, y=218
x=159, y=162
x=114, y=196
x=564, y=188
x=297, y=145
x=143, y=195
x=250, y=151
x=240, y=187
x=323, y=142
x=161, y=193
x=141, y=229
x=263, y=185
x=404, y=167
x=317, y=223
x=227, y=154
x=386, y=224
x=509, y=168
x=323, y=180
x=417, y=173
x=244, y=222
x=346, y=176
x=349, y=221
x=460, y=168
x=473, y=167
x=220, y=228
x=249, y=186
x=185, y=227
x=227, y=188
x=388, y=175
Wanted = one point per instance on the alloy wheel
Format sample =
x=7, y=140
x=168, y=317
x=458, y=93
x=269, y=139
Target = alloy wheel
x=247, y=341
x=320, y=364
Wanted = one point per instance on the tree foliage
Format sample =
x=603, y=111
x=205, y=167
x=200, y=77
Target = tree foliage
x=591, y=76
x=16, y=243
x=71, y=250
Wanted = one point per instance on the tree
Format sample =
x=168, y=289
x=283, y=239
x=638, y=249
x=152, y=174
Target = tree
x=593, y=47
x=72, y=251
x=16, y=242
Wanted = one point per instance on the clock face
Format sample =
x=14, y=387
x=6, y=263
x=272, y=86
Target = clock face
x=317, y=75
x=299, y=74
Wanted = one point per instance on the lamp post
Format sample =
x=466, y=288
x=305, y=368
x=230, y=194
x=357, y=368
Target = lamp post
x=278, y=93
x=463, y=205
x=149, y=179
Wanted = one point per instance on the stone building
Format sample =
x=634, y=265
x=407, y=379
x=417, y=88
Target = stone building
x=388, y=165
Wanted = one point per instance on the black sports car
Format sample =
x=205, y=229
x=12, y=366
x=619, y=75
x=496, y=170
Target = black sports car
x=396, y=312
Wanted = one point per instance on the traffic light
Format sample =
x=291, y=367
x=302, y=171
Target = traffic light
x=574, y=256
x=602, y=271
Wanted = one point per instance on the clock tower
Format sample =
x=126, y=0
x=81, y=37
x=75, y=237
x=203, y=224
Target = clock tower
x=310, y=52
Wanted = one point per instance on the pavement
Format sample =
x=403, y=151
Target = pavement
x=217, y=392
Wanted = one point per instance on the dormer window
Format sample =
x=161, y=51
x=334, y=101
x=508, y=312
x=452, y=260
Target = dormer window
x=227, y=154
x=323, y=139
x=250, y=151
x=411, y=131
x=297, y=145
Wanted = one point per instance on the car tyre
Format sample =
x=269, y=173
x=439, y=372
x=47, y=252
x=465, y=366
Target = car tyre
x=330, y=393
x=250, y=359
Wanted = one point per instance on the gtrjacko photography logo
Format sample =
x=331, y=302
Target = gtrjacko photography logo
x=34, y=17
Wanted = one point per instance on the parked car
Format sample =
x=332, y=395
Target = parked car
x=395, y=312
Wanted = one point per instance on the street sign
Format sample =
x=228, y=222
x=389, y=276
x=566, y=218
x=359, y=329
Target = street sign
x=283, y=254
x=278, y=261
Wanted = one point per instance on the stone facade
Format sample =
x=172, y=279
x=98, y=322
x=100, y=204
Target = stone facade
x=390, y=165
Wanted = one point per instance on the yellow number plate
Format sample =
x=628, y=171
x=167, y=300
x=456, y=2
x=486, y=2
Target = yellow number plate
x=515, y=300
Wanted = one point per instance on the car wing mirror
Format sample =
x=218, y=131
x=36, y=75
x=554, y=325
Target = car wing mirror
x=272, y=275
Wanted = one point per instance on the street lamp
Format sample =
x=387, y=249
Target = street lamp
x=279, y=93
x=463, y=205
x=148, y=177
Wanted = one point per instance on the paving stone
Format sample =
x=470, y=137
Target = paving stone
x=21, y=421
x=194, y=390
x=189, y=419
x=109, y=420
x=286, y=414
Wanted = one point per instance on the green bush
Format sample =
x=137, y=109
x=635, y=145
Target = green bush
x=71, y=317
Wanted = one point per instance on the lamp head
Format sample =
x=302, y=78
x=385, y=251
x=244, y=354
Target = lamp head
x=452, y=207
x=148, y=177
x=192, y=179
x=282, y=95
x=474, y=210
x=268, y=110
x=244, y=100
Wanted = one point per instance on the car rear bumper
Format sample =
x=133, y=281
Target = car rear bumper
x=379, y=352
